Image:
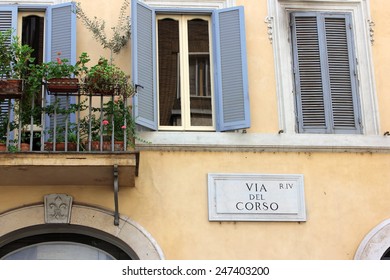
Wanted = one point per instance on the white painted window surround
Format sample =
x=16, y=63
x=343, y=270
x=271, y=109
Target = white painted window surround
x=279, y=14
x=204, y=4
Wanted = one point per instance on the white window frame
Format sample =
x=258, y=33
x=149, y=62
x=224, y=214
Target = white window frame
x=204, y=4
x=279, y=11
x=184, y=74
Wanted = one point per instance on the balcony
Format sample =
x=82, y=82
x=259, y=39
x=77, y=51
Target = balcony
x=66, y=122
x=67, y=139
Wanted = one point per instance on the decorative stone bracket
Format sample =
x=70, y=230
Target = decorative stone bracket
x=269, y=21
x=371, y=25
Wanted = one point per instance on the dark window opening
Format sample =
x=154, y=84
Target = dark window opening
x=32, y=35
x=386, y=255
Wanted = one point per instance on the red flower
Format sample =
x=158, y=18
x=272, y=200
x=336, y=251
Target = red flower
x=59, y=60
x=105, y=122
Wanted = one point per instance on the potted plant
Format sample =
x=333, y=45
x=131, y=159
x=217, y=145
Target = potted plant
x=64, y=131
x=62, y=77
x=62, y=136
x=105, y=78
x=15, y=60
x=110, y=126
x=119, y=123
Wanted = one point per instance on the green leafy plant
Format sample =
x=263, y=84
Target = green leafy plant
x=61, y=68
x=15, y=58
x=61, y=133
x=4, y=124
x=114, y=119
x=118, y=120
x=91, y=125
x=106, y=78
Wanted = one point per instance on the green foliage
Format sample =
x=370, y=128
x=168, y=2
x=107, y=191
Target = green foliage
x=72, y=108
x=61, y=68
x=15, y=58
x=114, y=119
x=118, y=119
x=61, y=132
x=105, y=77
x=120, y=33
x=4, y=123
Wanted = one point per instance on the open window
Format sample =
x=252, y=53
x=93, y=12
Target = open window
x=189, y=69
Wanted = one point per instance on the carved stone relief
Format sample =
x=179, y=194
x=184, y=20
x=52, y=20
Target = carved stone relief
x=57, y=208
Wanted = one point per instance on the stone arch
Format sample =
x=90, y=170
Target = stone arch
x=375, y=243
x=131, y=233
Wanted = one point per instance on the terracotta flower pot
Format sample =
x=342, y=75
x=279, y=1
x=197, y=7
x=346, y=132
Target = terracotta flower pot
x=60, y=146
x=63, y=85
x=3, y=147
x=24, y=147
x=95, y=146
x=11, y=88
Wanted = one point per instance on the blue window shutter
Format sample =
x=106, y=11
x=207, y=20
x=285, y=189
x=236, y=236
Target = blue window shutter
x=144, y=65
x=61, y=32
x=231, y=74
x=8, y=20
x=324, y=69
x=8, y=17
x=61, y=37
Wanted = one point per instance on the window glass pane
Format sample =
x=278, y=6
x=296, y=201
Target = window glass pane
x=199, y=73
x=168, y=59
x=59, y=251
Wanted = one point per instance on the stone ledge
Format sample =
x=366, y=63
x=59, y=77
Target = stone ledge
x=257, y=142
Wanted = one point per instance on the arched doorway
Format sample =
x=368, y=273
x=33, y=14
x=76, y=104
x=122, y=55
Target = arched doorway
x=25, y=235
x=376, y=244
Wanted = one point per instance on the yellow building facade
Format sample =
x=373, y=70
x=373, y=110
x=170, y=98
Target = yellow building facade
x=338, y=146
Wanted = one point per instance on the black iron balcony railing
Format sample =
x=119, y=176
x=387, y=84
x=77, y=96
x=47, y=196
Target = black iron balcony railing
x=66, y=123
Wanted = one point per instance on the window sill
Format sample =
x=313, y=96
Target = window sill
x=254, y=142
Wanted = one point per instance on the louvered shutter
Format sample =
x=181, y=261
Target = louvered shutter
x=231, y=78
x=144, y=65
x=8, y=20
x=61, y=37
x=324, y=69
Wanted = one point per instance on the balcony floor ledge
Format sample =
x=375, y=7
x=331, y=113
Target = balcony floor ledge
x=65, y=169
